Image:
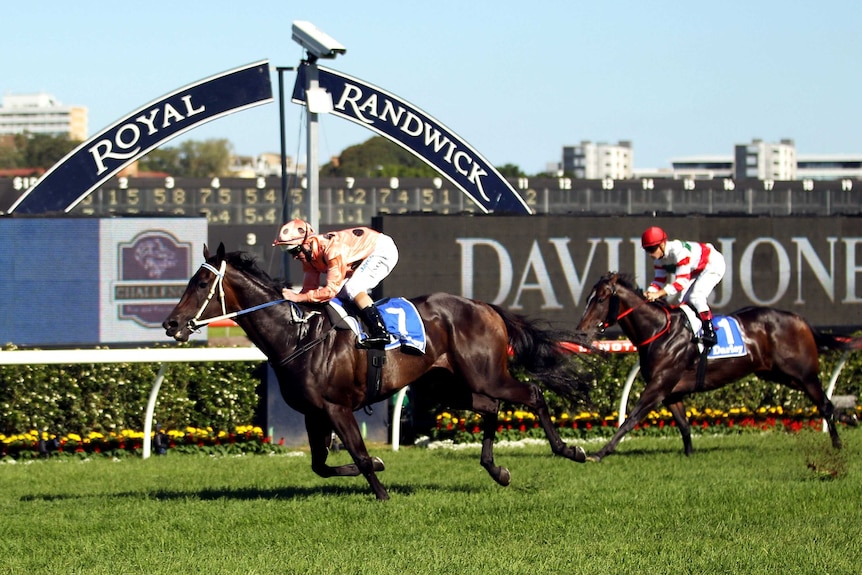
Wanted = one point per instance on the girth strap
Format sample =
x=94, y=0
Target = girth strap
x=374, y=377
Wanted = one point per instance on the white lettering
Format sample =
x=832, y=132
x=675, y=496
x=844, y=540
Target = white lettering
x=851, y=270
x=128, y=135
x=804, y=250
x=574, y=280
x=370, y=105
x=467, y=267
x=457, y=162
x=407, y=129
x=351, y=95
x=475, y=172
x=171, y=114
x=725, y=286
x=389, y=114
x=746, y=268
x=150, y=121
x=190, y=109
x=536, y=264
x=101, y=151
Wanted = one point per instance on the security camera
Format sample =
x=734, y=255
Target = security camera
x=317, y=43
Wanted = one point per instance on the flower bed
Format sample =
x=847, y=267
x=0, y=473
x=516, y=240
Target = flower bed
x=514, y=425
x=34, y=444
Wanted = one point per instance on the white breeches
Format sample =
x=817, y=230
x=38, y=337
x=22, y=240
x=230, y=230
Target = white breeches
x=373, y=269
x=698, y=291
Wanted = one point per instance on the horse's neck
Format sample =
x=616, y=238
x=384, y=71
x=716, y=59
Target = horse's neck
x=642, y=320
x=278, y=333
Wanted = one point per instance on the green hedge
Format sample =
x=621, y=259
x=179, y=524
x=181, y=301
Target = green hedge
x=611, y=371
x=81, y=398
x=223, y=395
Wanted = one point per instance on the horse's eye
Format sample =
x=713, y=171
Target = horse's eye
x=203, y=285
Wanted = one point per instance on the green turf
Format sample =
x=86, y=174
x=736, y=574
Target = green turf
x=772, y=503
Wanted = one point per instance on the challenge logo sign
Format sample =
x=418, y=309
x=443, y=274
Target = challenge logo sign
x=89, y=165
x=414, y=130
x=153, y=271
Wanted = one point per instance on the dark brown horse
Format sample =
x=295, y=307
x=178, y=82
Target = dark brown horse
x=781, y=347
x=322, y=373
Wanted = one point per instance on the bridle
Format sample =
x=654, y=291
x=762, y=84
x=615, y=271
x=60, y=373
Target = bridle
x=613, y=316
x=196, y=322
x=296, y=314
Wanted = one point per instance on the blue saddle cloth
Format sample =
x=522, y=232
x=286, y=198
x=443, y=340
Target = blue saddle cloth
x=727, y=330
x=729, y=334
x=401, y=318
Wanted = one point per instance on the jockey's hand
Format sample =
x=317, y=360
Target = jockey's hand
x=653, y=295
x=289, y=294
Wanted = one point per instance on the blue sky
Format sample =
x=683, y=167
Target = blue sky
x=517, y=80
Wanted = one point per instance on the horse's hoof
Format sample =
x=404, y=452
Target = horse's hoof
x=580, y=455
x=504, y=478
x=378, y=464
x=594, y=458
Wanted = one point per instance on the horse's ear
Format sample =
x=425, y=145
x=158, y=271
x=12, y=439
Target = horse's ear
x=220, y=251
x=206, y=253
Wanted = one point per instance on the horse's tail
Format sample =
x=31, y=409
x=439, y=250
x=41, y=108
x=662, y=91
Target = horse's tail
x=837, y=342
x=538, y=350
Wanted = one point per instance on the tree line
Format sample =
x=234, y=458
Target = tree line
x=376, y=157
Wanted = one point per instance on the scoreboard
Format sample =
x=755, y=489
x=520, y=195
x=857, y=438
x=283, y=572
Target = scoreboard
x=349, y=201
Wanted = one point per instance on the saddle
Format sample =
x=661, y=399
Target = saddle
x=727, y=330
x=402, y=321
x=401, y=318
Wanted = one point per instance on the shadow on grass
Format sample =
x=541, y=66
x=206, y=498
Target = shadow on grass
x=253, y=493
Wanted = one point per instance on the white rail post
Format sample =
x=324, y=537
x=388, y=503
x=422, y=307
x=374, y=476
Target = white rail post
x=151, y=407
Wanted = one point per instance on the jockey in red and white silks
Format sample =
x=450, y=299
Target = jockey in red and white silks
x=688, y=270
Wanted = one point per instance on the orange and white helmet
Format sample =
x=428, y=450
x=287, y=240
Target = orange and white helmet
x=652, y=237
x=293, y=233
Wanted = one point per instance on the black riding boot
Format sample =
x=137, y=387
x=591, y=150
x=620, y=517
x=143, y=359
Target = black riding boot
x=708, y=338
x=378, y=335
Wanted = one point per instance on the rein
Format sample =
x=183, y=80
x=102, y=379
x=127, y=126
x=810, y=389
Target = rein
x=613, y=311
x=295, y=313
x=196, y=322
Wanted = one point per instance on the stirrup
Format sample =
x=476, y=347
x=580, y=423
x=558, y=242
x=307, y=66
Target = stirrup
x=374, y=342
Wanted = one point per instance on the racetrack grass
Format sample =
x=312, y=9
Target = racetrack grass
x=740, y=504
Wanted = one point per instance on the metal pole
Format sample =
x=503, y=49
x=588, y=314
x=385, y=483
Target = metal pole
x=311, y=168
x=285, y=198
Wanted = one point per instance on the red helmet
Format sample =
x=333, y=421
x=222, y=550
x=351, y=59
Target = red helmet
x=653, y=236
x=293, y=233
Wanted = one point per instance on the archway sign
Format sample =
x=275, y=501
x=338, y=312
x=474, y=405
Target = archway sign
x=89, y=165
x=414, y=130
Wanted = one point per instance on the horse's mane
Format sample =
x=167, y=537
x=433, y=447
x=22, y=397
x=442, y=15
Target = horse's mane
x=628, y=281
x=248, y=265
x=625, y=280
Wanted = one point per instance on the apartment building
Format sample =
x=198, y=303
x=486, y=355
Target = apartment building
x=41, y=114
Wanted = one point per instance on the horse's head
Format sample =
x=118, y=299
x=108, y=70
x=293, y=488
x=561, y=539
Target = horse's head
x=201, y=298
x=602, y=305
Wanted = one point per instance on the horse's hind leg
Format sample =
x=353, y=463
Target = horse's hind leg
x=530, y=395
x=812, y=387
x=677, y=409
x=319, y=438
x=489, y=409
x=814, y=390
x=558, y=446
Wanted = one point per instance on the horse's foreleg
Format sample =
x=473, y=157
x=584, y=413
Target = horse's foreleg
x=649, y=398
x=344, y=423
x=677, y=409
x=319, y=438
